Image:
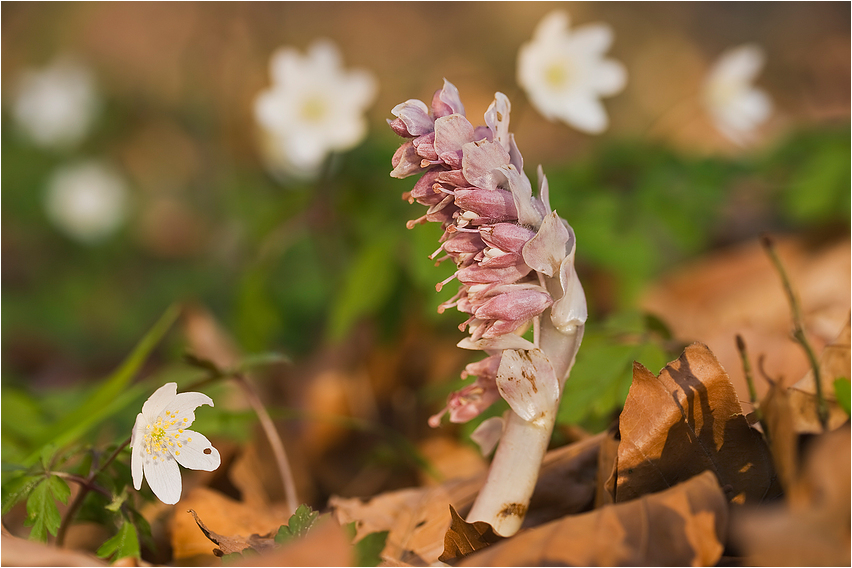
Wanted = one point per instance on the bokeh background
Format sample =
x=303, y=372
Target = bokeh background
x=325, y=271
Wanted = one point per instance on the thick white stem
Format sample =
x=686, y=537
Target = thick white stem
x=503, y=500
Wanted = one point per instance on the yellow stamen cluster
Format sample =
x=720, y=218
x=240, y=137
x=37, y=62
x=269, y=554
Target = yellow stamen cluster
x=161, y=440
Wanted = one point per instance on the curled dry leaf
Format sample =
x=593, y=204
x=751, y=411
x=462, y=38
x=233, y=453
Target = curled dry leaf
x=682, y=526
x=463, y=538
x=685, y=421
x=227, y=516
x=812, y=527
x=234, y=543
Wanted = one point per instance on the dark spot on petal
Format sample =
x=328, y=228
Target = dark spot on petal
x=208, y=451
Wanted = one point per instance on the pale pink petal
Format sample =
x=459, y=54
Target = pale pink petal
x=488, y=434
x=546, y=250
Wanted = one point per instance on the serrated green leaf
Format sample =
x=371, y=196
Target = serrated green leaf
x=59, y=488
x=368, y=550
x=17, y=489
x=124, y=544
x=42, y=513
x=842, y=388
x=299, y=524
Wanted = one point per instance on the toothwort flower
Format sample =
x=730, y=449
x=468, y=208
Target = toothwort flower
x=313, y=107
x=504, y=241
x=161, y=440
x=735, y=105
x=55, y=106
x=87, y=201
x=514, y=260
x=564, y=72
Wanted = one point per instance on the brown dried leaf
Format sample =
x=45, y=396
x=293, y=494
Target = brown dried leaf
x=227, y=516
x=234, y=543
x=417, y=521
x=465, y=538
x=685, y=421
x=682, y=526
x=812, y=528
x=833, y=363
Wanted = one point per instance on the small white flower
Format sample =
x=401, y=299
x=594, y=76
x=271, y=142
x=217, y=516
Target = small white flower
x=87, y=201
x=161, y=441
x=313, y=107
x=564, y=72
x=735, y=105
x=55, y=106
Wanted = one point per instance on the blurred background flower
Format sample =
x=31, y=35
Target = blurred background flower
x=314, y=107
x=55, y=106
x=87, y=201
x=564, y=72
x=736, y=105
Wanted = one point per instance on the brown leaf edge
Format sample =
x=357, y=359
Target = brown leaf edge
x=236, y=543
x=463, y=538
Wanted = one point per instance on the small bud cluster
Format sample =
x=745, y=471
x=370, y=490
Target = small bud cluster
x=504, y=241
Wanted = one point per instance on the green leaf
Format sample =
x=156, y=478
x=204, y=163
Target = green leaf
x=102, y=402
x=299, y=524
x=42, y=512
x=842, y=393
x=124, y=544
x=17, y=489
x=369, y=549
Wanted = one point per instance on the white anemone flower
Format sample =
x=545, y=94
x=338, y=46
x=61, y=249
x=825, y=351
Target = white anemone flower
x=735, y=105
x=313, y=107
x=55, y=106
x=87, y=201
x=564, y=72
x=161, y=440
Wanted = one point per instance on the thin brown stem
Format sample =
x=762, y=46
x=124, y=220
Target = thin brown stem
x=799, y=328
x=274, y=441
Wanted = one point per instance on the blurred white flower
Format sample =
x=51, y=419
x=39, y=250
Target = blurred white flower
x=161, y=440
x=55, y=106
x=87, y=201
x=312, y=108
x=564, y=72
x=734, y=104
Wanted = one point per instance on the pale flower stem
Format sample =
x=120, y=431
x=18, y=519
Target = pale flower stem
x=503, y=500
x=274, y=441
